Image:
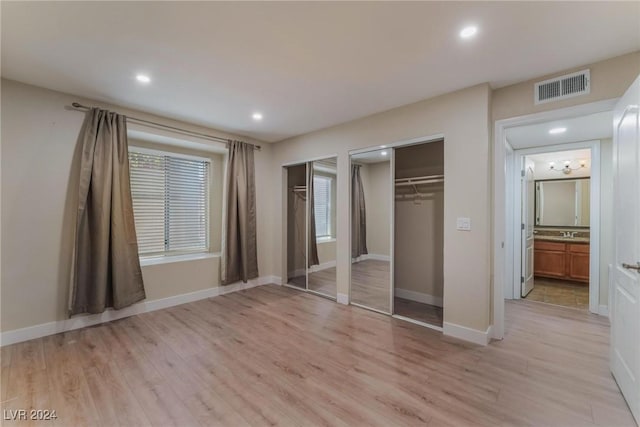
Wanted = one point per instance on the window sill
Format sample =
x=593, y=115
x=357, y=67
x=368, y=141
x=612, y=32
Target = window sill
x=177, y=258
x=326, y=240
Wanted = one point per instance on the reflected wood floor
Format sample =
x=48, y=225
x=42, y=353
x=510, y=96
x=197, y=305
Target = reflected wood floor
x=370, y=284
x=324, y=281
x=275, y=356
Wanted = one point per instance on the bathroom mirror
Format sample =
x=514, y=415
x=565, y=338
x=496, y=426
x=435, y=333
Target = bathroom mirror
x=563, y=202
x=322, y=188
x=371, y=206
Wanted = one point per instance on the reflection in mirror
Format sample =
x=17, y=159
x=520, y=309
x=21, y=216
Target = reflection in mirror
x=563, y=203
x=322, y=226
x=296, y=225
x=370, y=229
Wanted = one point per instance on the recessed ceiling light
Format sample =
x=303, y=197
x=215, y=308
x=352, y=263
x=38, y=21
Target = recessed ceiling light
x=383, y=146
x=257, y=116
x=143, y=78
x=468, y=32
x=383, y=153
x=557, y=130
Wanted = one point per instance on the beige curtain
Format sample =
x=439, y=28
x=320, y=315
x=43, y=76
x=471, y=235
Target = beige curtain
x=358, y=215
x=312, y=243
x=240, y=259
x=106, y=268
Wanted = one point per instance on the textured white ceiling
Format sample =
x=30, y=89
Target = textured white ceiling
x=304, y=65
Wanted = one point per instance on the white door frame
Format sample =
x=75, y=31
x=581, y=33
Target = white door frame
x=503, y=236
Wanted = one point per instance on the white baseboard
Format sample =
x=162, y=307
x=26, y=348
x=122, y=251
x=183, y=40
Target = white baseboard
x=342, y=299
x=603, y=310
x=490, y=334
x=466, y=334
x=418, y=297
x=276, y=280
x=376, y=257
x=322, y=266
x=77, y=322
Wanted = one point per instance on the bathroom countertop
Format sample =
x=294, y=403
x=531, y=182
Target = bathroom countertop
x=562, y=239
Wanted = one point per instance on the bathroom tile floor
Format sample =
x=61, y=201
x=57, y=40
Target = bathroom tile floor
x=560, y=292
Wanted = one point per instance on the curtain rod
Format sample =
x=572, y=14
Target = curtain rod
x=79, y=107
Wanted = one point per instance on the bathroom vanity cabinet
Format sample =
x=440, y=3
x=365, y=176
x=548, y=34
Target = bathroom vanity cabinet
x=562, y=260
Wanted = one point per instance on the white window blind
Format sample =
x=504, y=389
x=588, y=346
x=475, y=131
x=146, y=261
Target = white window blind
x=322, y=205
x=170, y=202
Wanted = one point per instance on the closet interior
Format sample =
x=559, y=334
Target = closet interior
x=311, y=218
x=397, y=231
x=419, y=232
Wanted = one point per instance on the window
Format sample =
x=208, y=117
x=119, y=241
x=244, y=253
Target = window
x=170, y=195
x=324, y=205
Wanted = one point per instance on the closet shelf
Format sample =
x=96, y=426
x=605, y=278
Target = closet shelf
x=419, y=180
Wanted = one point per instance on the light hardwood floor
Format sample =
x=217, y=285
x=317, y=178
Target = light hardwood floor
x=370, y=284
x=324, y=282
x=275, y=356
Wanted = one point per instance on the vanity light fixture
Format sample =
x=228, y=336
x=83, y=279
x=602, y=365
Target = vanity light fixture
x=567, y=169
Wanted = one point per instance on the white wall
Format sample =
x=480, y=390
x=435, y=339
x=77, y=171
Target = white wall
x=326, y=252
x=39, y=191
x=377, y=193
x=463, y=118
x=419, y=242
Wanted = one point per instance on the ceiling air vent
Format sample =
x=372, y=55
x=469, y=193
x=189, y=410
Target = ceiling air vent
x=563, y=87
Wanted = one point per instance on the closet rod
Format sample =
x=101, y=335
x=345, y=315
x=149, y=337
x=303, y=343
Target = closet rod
x=419, y=178
x=418, y=182
x=79, y=107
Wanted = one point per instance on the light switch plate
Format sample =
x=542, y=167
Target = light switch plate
x=463, y=224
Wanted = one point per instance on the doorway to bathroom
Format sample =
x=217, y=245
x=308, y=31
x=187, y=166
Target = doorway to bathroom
x=556, y=213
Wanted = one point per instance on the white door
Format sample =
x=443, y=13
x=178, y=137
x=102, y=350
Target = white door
x=625, y=315
x=528, y=213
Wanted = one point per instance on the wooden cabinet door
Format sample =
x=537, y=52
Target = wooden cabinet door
x=550, y=259
x=578, y=262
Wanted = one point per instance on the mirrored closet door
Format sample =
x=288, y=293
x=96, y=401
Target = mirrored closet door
x=311, y=229
x=397, y=231
x=371, y=211
x=322, y=227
